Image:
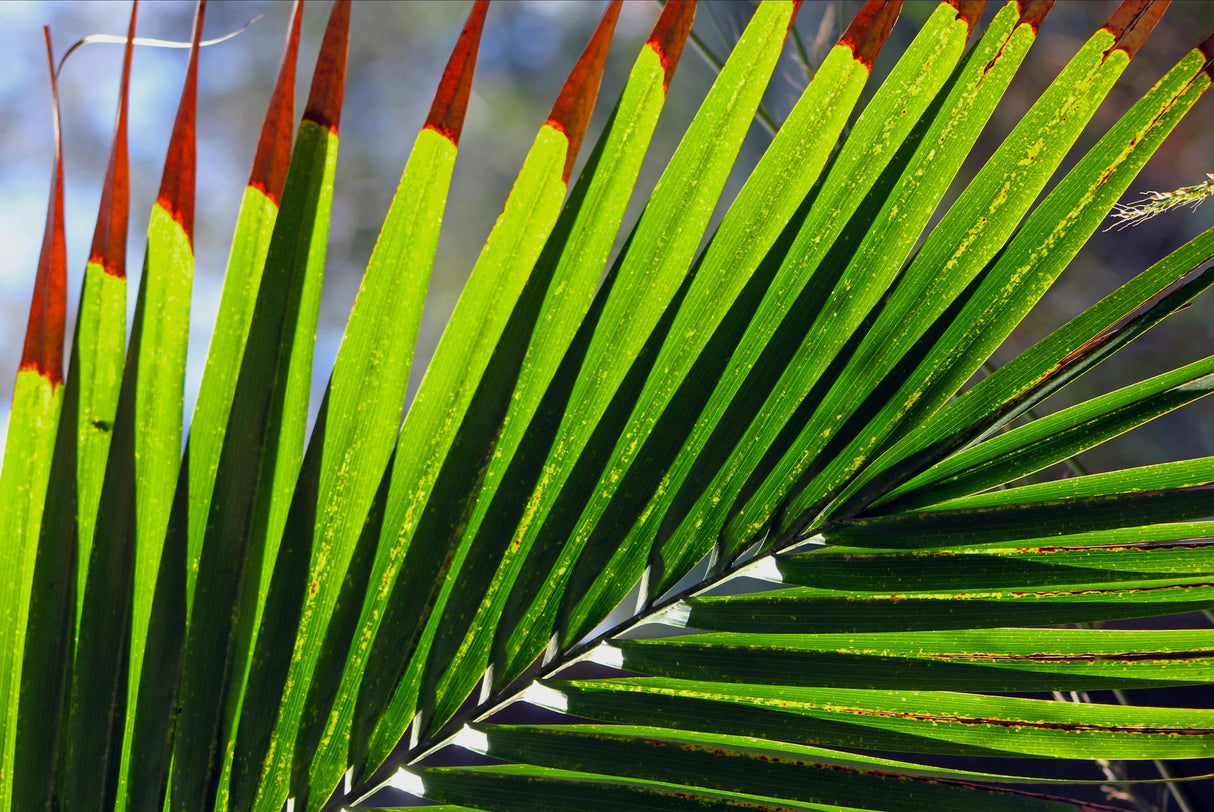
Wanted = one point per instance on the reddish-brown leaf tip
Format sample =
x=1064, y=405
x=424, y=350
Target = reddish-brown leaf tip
x=670, y=35
x=571, y=113
x=109, y=237
x=451, y=100
x=329, y=80
x=43, y=350
x=1032, y=12
x=869, y=30
x=1133, y=22
x=969, y=11
x=177, y=186
x=274, y=147
x=1207, y=50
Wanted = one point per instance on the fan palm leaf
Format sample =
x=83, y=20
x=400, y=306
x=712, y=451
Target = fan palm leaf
x=708, y=520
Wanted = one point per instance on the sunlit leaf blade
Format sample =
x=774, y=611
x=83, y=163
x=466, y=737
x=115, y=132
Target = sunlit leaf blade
x=1174, y=491
x=809, y=257
x=157, y=367
x=365, y=399
x=412, y=565
x=1062, y=435
x=758, y=431
x=566, y=277
x=650, y=272
x=1068, y=352
x=271, y=295
x=757, y=766
x=263, y=444
x=33, y=421
x=1123, y=554
x=904, y=721
x=519, y=787
x=766, y=204
x=100, y=338
x=804, y=609
x=1024, y=270
x=976, y=226
x=117, y=622
x=77, y=469
x=952, y=126
x=964, y=660
x=246, y=261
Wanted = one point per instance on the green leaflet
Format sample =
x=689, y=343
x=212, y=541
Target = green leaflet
x=969, y=235
x=870, y=270
x=566, y=276
x=764, y=206
x=1167, y=492
x=33, y=419
x=756, y=766
x=1060, y=357
x=523, y=787
x=962, y=660
x=656, y=260
x=918, y=721
x=465, y=349
x=367, y=392
x=806, y=610
x=807, y=271
x=158, y=382
x=1032, y=447
x=257, y=467
x=246, y=262
x=1122, y=554
x=133, y=516
x=100, y=345
x=285, y=325
x=1021, y=274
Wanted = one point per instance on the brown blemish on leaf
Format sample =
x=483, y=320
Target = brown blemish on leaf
x=177, y=184
x=274, y=147
x=571, y=113
x=1073, y=727
x=1139, y=546
x=870, y=28
x=109, y=236
x=329, y=80
x=1127, y=656
x=43, y=350
x=451, y=101
x=670, y=35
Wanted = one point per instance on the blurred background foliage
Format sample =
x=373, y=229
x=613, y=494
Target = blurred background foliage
x=397, y=50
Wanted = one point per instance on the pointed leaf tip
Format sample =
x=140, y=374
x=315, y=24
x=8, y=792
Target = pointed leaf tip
x=177, y=186
x=274, y=147
x=1133, y=22
x=869, y=30
x=329, y=81
x=109, y=237
x=968, y=10
x=451, y=101
x=1207, y=49
x=1033, y=12
x=43, y=350
x=571, y=113
x=670, y=35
